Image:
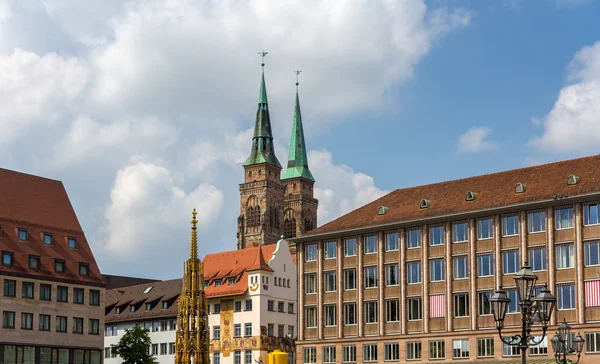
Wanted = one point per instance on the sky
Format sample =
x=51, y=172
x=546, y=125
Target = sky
x=145, y=109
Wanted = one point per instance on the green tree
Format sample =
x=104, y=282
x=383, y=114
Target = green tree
x=134, y=347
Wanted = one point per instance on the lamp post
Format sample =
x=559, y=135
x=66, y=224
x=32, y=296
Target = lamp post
x=562, y=344
x=533, y=309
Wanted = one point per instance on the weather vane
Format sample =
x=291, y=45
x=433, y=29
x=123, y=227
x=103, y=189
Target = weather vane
x=262, y=55
x=297, y=72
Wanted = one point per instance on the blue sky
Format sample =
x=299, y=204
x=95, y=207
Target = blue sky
x=145, y=109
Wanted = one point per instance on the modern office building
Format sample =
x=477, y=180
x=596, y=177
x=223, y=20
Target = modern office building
x=409, y=276
x=52, y=303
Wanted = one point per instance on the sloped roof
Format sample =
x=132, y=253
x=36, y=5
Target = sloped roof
x=40, y=205
x=492, y=191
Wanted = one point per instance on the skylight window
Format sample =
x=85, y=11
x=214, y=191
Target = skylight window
x=424, y=203
x=520, y=188
x=572, y=180
x=381, y=210
x=148, y=290
x=471, y=196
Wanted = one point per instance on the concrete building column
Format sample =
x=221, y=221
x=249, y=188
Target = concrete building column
x=550, y=254
x=579, y=260
x=340, y=287
x=403, y=280
x=359, y=285
x=473, y=272
x=497, y=250
x=381, y=278
x=425, y=265
x=449, y=275
x=300, y=309
x=523, y=236
x=320, y=310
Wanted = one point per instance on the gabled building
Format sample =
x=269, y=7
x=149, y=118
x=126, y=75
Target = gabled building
x=52, y=302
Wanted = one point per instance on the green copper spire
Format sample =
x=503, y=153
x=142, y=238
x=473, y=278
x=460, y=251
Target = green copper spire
x=297, y=161
x=263, y=150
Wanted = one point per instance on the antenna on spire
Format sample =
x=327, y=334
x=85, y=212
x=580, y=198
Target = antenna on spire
x=297, y=72
x=262, y=55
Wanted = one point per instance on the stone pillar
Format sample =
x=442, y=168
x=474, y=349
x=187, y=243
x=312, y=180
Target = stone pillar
x=381, y=278
x=473, y=273
x=300, y=309
x=579, y=260
x=403, y=280
x=359, y=285
x=550, y=255
x=449, y=275
x=340, y=287
x=425, y=265
x=320, y=310
x=497, y=252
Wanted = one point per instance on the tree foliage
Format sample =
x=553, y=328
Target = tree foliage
x=134, y=347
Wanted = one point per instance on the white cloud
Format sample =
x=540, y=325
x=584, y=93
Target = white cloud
x=476, y=140
x=573, y=124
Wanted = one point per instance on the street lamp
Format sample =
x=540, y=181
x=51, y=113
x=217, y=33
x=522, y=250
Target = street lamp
x=562, y=344
x=533, y=310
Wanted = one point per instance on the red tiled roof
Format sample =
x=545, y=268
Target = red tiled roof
x=493, y=191
x=40, y=205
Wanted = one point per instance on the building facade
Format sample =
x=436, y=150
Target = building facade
x=408, y=277
x=52, y=303
x=252, y=302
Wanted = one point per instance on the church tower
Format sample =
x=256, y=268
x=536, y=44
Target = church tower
x=261, y=194
x=300, y=207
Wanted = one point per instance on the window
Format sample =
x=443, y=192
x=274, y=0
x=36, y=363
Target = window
x=460, y=232
x=329, y=278
x=115, y=330
x=290, y=331
x=22, y=235
x=370, y=312
x=350, y=314
x=237, y=330
x=77, y=325
x=311, y=317
x=484, y=304
x=437, y=349
x=10, y=288
x=370, y=277
x=436, y=235
x=370, y=352
x=330, y=250
x=391, y=311
x=131, y=308
x=485, y=229
x=485, y=265
x=45, y=323
x=414, y=238
x=290, y=308
x=280, y=329
x=8, y=320
x=537, y=221
x=59, y=265
x=349, y=279
x=248, y=305
x=485, y=347
x=592, y=342
x=350, y=247
x=216, y=332
x=61, y=324
x=248, y=329
x=311, y=252
x=164, y=325
x=172, y=325
x=414, y=308
x=349, y=354
x=591, y=214
x=72, y=243
x=27, y=290
x=391, y=352
x=461, y=305
x=171, y=348
x=26, y=321
x=216, y=355
x=564, y=218
x=510, y=225
x=34, y=262
x=45, y=292
x=564, y=256
x=94, y=297
x=7, y=258
x=78, y=295
x=460, y=348
x=510, y=350
x=436, y=267
x=461, y=267
x=271, y=306
x=280, y=306
x=592, y=253
x=414, y=272
x=310, y=283
x=310, y=355
x=413, y=351
x=391, y=241
x=370, y=244
x=62, y=294
x=541, y=348
x=513, y=305
x=94, y=326
x=155, y=326
x=47, y=239
x=330, y=315
x=231, y=281
x=248, y=357
x=163, y=349
x=165, y=305
x=565, y=296
x=510, y=261
x=391, y=275
x=218, y=282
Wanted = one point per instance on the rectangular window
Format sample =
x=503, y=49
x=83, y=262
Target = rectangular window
x=510, y=350
x=349, y=313
x=391, y=241
x=370, y=244
x=461, y=305
x=34, y=262
x=485, y=265
x=485, y=229
x=237, y=330
x=45, y=323
x=59, y=265
x=349, y=279
x=460, y=232
x=436, y=235
x=513, y=305
x=330, y=250
x=564, y=256
x=216, y=332
x=370, y=312
x=47, y=239
x=510, y=261
x=537, y=258
x=26, y=321
x=8, y=320
x=484, y=303
x=413, y=236
x=311, y=317
x=280, y=306
x=350, y=247
x=248, y=305
x=330, y=315
x=370, y=352
x=436, y=270
x=541, y=348
x=329, y=278
x=391, y=275
x=370, y=277
x=290, y=308
x=461, y=267
x=564, y=218
x=216, y=356
x=536, y=221
x=591, y=214
x=310, y=355
x=592, y=253
x=413, y=351
x=62, y=294
x=93, y=326
x=413, y=272
x=414, y=309
x=46, y=292
x=78, y=325
x=391, y=352
x=237, y=306
x=565, y=296
x=290, y=331
x=271, y=306
x=248, y=329
x=72, y=243
x=437, y=349
x=329, y=354
x=460, y=349
x=27, y=290
x=349, y=354
x=485, y=347
x=163, y=349
x=592, y=342
x=311, y=252
x=61, y=324
x=22, y=235
x=78, y=295
x=7, y=258
x=437, y=305
x=10, y=288
x=392, y=313
x=510, y=225
x=310, y=283
x=171, y=348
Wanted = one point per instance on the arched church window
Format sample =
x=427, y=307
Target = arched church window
x=289, y=224
x=253, y=212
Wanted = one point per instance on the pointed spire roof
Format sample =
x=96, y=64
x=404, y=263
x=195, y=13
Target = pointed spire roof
x=297, y=165
x=194, y=239
x=263, y=150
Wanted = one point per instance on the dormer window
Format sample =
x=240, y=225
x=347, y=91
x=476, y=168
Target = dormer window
x=424, y=203
x=34, y=262
x=165, y=305
x=218, y=283
x=231, y=281
x=72, y=243
x=572, y=180
x=471, y=196
x=7, y=258
x=84, y=269
x=132, y=308
x=520, y=188
x=148, y=306
x=22, y=235
x=47, y=239
x=59, y=265
x=205, y=284
x=382, y=210
x=117, y=310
